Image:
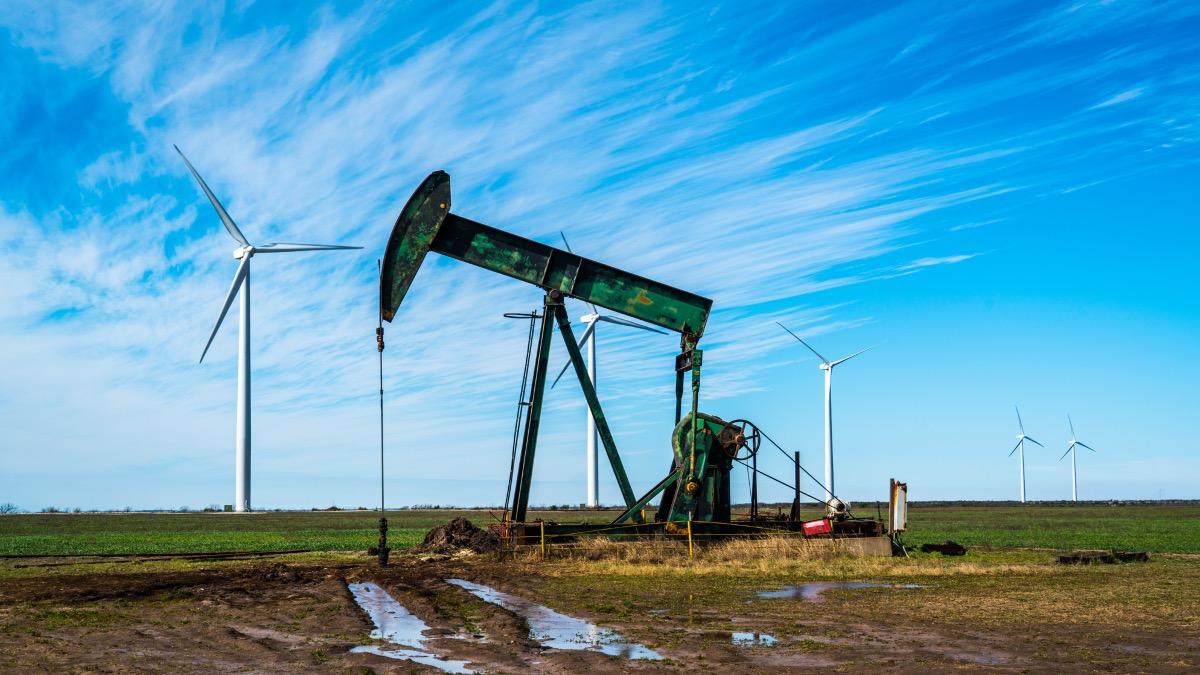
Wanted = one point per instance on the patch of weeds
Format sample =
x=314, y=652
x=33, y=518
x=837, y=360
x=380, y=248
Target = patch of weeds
x=175, y=595
x=55, y=618
x=319, y=656
x=458, y=607
x=810, y=645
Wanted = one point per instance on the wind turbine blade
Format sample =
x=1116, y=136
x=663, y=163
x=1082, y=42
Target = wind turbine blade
x=568, y=245
x=1072, y=425
x=1019, y=422
x=287, y=248
x=1010, y=452
x=1034, y=441
x=238, y=277
x=850, y=357
x=221, y=213
x=1069, y=447
x=823, y=359
x=587, y=334
x=1085, y=445
x=561, y=373
x=623, y=322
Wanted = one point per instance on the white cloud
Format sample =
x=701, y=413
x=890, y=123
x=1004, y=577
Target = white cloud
x=920, y=263
x=593, y=120
x=1115, y=99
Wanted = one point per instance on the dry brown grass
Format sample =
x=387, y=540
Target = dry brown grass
x=790, y=556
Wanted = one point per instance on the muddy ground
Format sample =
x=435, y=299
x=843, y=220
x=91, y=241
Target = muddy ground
x=295, y=614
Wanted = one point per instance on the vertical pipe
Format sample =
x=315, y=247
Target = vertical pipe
x=829, y=489
x=754, y=487
x=383, y=526
x=697, y=361
x=797, y=511
x=678, y=395
x=542, y=528
x=593, y=478
x=691, y=550
x=241, y=496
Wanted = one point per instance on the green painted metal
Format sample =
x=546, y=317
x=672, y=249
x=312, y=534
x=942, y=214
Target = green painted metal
x=533, y=421
x=697, y=464
x=636, y=508
x=697, y=438
x=414, y=231
x=425, y=224
x=589, y=393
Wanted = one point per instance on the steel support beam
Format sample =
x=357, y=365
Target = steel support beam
x=641, y=503
x=589, y=393
x=534, y=418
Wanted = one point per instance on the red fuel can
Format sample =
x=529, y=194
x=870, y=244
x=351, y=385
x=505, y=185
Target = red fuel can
x=813, y=528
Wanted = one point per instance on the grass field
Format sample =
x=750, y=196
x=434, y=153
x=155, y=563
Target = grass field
x=1150, y=527
x=1006, y=606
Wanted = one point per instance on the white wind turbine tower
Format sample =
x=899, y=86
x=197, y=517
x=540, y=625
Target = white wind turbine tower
x=827, y=366
x=1021, y=438
x=589, y=336
x=241, y=281
x=1071, y=451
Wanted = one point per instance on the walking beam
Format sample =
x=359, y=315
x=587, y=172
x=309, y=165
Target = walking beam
x=426, y=224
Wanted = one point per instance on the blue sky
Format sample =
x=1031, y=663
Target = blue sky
x=999, y=197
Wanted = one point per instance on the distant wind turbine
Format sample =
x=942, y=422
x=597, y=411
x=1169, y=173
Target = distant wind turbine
x=1021, y=438
x=241, y=281
x=1071, y=451
x=827, y=366
x=589, y=336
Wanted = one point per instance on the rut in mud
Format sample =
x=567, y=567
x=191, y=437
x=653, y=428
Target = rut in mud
x=287, y=617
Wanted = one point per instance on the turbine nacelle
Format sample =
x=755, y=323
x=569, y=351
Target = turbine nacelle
x=242, y=252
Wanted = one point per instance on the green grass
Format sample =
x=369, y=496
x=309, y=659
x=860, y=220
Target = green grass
x=1143, y=527
x=1158, y=528
x=149, y=533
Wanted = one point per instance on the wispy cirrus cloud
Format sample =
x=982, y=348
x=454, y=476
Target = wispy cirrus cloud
x=755, y=163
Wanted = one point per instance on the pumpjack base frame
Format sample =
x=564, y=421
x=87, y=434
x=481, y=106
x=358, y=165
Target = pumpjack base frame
x=531, y=532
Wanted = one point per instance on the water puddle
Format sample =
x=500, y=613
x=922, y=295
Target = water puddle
x=752, y=639
x=395, y=624
x=812, y=591
x=559, y=631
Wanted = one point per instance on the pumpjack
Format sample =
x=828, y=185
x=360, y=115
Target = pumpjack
x=697, y=487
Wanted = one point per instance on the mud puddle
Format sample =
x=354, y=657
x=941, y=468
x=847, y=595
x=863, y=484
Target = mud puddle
x=559, y=631
x=395, y=624
x=812, y=591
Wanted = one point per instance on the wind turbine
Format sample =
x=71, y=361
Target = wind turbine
x=589, y=336
x=1021, y=438
x=1071, y=451
x=241, y=281
x=827, y=366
